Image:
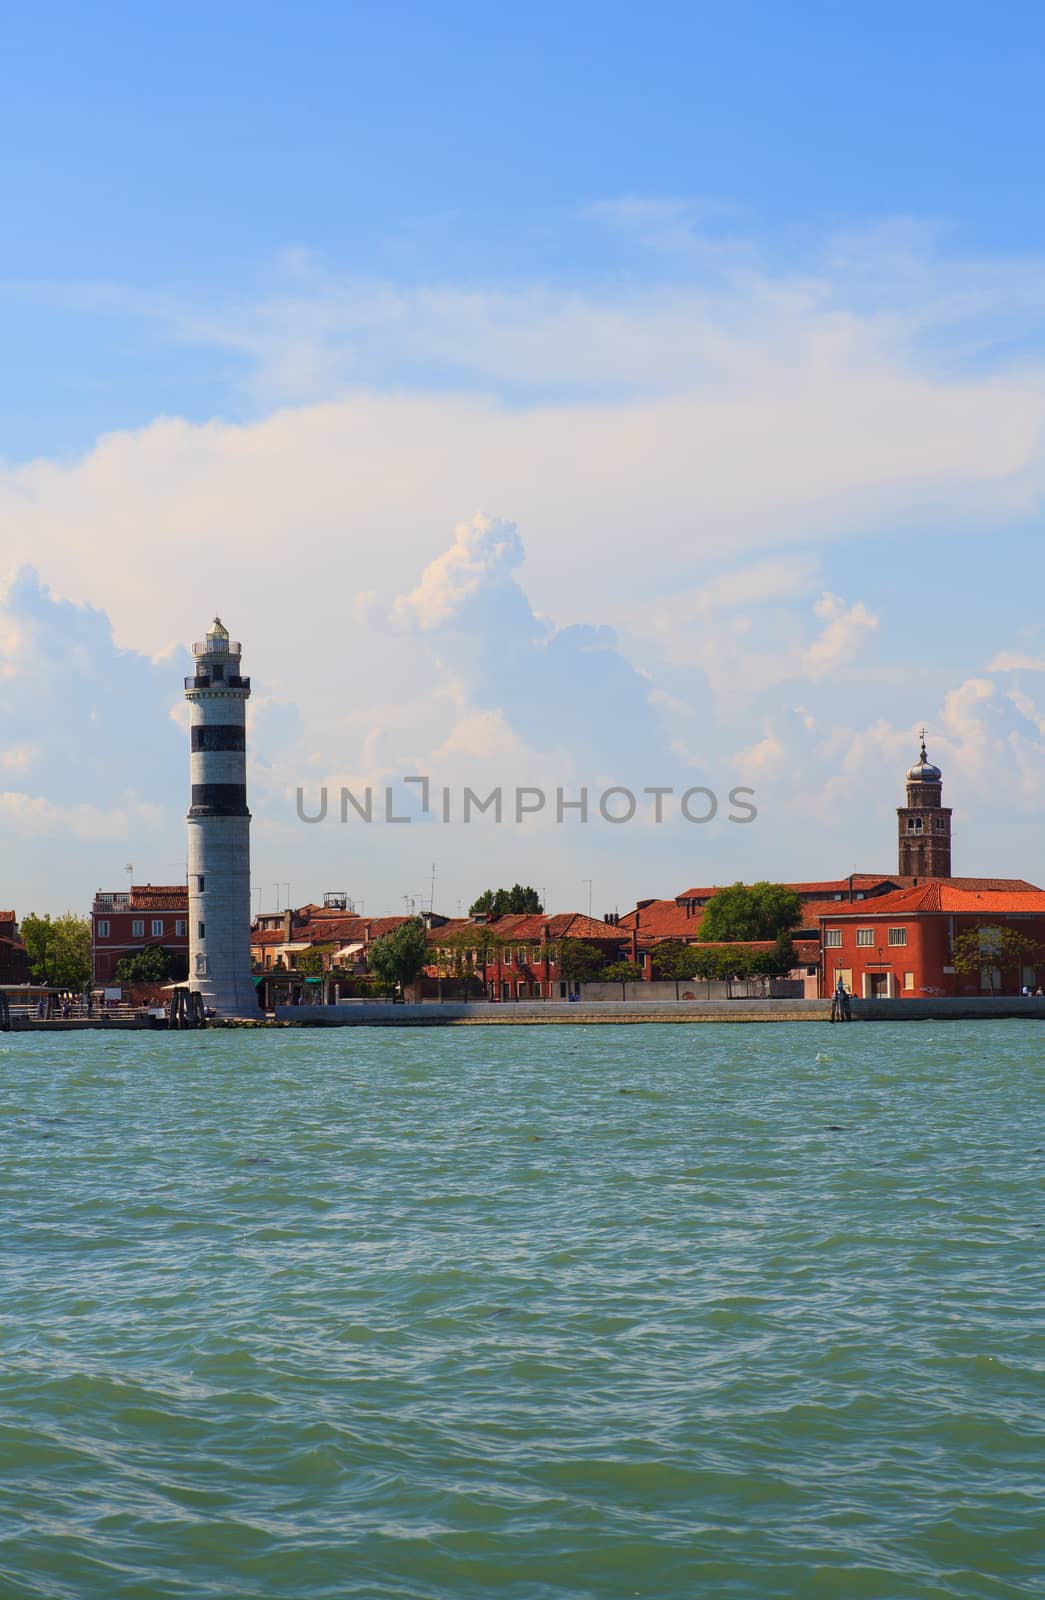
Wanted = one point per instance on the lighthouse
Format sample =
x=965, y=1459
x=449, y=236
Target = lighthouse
x=219, y=828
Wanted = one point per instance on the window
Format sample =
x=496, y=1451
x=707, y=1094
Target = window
x=915, y=825
x=940, y=824
x=157, y=927
x=908, y=980
x=865, y=936
x=138, y=928
x=897, y=935
x=201, y=930
x=179, y=928
x=103, y=930
x=833, y=937
x=199, y=883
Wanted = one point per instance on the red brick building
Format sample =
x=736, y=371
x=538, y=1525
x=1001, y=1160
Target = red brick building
x=146, y=915
x=14, y=962
x=903, y=943
x=523, y=961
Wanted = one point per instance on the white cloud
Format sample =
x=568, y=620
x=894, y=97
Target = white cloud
x=845, y=627
x=30, y=816
x=1015, y=661
x=484, y=550
x=18, y=756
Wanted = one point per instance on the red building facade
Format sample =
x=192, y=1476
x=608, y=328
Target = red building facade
x=904, y=944
x=144, y=916
x=14, y=962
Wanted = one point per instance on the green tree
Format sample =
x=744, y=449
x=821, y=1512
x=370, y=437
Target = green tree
x=674, y=960
x=750, y=911
x=734, y=965
x=622, y=972
x=60, y=950
x=397, y=958
x=478, y=946
x=678, y=963
x=311, y=963
x=994, y=950
x=154, y=964
x=580, y=962
x=779, y=961
x=519, y=899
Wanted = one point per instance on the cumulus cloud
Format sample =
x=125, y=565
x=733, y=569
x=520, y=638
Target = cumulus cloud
x=845, y=626
x=484, y=555
x=1016, y=661
x=679, y=455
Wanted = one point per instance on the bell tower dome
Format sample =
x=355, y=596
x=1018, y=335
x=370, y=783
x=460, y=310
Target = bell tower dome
x=924, y=823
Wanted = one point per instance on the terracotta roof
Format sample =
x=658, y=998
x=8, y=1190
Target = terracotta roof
x=662, y=919
x=158, y=897
x=447, y=930
x=820, y=888
x=526, y=927
x=1005, y=885
x=942, y=895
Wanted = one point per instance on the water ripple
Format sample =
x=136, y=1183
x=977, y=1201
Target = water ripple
x=541, y=1313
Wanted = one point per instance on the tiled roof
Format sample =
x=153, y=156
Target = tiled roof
x=526, y=927
x=161, y=897
x=661, y=919
x=820, y=888
x=1003, y=885
x=942, y=895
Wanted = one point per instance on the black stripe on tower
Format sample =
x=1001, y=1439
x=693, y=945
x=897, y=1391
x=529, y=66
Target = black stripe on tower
x=215, y=736
x=219, y=800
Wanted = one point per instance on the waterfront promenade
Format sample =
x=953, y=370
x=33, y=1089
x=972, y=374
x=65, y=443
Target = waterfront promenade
x=536, y=1012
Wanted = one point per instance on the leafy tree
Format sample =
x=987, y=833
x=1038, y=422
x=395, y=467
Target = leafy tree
x=706, y=965
x=622, y=972
x=779, y=961
x=674, y=960
x=479, y=946
x=519, y=899
x=580, y=962
x=734, y=965
x=750, y=911
x=311, y=963
x=996, y=949
x=154, y=964
x=399, y=957
x=679, y=963
x=60, y=950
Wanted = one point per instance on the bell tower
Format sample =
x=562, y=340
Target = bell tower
x=924, y=823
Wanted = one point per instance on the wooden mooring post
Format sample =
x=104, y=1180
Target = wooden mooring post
x=186, y=1009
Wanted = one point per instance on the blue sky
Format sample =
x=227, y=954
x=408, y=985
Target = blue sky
x=734, y=314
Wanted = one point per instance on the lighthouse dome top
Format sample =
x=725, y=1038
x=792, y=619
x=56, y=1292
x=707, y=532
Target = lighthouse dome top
x=923, y=770
x=217, y=642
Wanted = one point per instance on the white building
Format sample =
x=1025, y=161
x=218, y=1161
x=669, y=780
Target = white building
x=219, y=829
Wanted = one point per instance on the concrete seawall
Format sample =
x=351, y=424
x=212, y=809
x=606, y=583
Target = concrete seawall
x=522, y=1013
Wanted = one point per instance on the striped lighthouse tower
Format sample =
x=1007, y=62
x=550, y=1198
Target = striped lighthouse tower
x=219, y=829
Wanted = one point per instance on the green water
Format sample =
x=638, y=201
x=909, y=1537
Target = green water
x=656, y=1311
